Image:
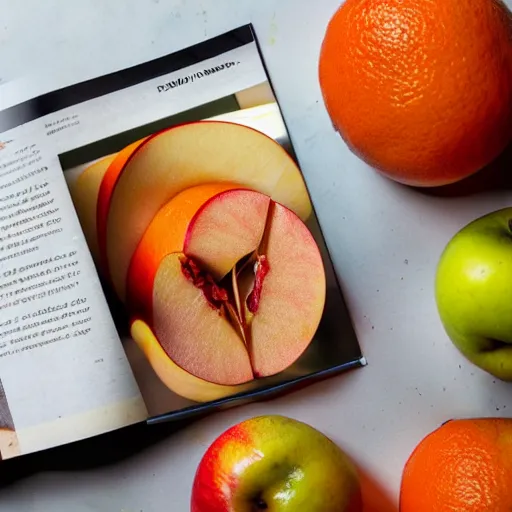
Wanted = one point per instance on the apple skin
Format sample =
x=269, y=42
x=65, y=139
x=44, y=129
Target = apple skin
x=276, y=464
x=474, y=292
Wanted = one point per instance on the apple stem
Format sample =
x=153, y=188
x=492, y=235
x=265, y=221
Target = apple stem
x=235, y=321
x=260, y=504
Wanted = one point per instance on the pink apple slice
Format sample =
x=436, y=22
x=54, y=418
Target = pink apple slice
x=287, y=299
x=216, y=224
x=192, y=328
x=185, y=156
x=268, y=310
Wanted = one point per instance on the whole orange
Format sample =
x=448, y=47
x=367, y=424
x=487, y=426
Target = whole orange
x=464, y=466
x=420, y=89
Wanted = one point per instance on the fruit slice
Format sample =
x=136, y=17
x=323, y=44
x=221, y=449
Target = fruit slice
x=181, y=157
x=186, y=223
x=191, y=327
x=85, y=198
x=288, y=296
x=463, y=465
x=256, y=321
x=174, y=377
x=107, y=187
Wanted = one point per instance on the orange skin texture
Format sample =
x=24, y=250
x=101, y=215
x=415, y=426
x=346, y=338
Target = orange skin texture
x=464, y=466
x=166, y=234
x=255, y=457
x=420, y=89
x=107, y=187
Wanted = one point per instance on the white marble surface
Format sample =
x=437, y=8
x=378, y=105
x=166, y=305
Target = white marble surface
x=385, y=241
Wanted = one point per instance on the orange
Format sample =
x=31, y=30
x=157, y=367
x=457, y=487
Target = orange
x=420, y=89
x=464, y=466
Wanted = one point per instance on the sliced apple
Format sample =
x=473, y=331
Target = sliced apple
x=85, y=198
x=287, y=300
x=255, y=322
x=102, y=203
x=236, y=216
x=174, y=377
x=185, y=156
x=192, y=327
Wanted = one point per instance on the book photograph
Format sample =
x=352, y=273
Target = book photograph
x=209, y=251
x=160, y=250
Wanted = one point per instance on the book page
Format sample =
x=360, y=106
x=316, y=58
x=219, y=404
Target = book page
x=64, y=375
x=84, y=173
x=64, y=372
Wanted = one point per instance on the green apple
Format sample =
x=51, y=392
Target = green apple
x=276, y=464
x=474, y=292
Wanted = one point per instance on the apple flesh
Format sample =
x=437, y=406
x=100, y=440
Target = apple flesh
x=193, y=329
x=228, y=335
x=216, y=224
x=175, y=378
x=276, y=464
x=474, y=292
x=182, y=157
x=102, y=202
x=286, y=302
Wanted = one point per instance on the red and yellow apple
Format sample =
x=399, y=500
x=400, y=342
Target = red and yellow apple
x=276, y=464
x=171, y=161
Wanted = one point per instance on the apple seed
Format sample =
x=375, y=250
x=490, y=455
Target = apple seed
x=214, y=294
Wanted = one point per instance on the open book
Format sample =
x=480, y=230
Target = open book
x=159, y=252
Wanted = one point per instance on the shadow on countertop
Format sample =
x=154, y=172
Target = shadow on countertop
x=375, y=498
x=118, y=445
x=100, y=451
x=495, y=176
